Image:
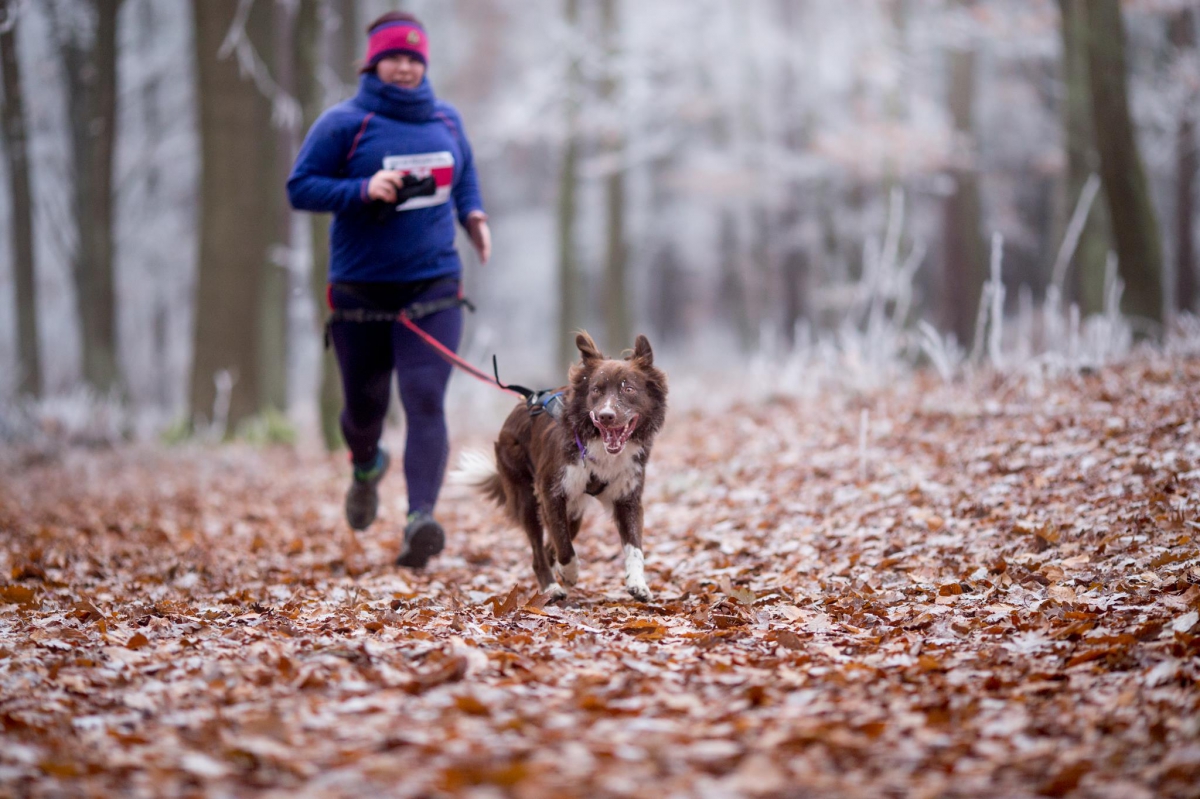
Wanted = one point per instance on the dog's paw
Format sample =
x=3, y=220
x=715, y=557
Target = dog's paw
x=556, y=592
x=639, y=590
x=635, y=575
x=568, y=572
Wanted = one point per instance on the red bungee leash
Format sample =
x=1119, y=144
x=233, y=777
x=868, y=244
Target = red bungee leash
x=408, y=317
x=451, y=357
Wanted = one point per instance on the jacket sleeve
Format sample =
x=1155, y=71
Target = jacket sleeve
x=466, y=193
x=316, y=182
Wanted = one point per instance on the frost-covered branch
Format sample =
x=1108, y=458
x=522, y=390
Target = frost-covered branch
x=285, y=109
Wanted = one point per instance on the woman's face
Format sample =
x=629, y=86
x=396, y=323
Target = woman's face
x=400, y=69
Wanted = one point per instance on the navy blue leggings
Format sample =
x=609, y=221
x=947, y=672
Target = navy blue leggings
x=367, y=354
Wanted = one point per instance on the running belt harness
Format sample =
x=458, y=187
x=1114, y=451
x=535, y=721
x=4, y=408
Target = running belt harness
x=418, y=310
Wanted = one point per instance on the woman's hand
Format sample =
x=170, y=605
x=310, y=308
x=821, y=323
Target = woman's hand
x=481, y=235
x=383, y=185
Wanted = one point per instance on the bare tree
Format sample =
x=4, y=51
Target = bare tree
x=238, y=200
x=570, y=305
x=324, y=26
x=1187, y=163
x=16, y=149
x=619, y=327
x=91, y=68
x=965, y=251
x=732, y=290
x=1083, y=161
x=1135, y=226
x=273, y=319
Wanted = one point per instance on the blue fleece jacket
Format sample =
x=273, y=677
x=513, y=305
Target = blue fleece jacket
x=385, y=126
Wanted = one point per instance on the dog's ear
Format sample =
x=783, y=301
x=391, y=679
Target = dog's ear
x=588, y=351
x=642, y=354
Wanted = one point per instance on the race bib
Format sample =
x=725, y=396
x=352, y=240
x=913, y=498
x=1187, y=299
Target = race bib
x=439, y=165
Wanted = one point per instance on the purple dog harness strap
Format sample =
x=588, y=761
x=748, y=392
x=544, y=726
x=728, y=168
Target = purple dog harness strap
x=583, y=453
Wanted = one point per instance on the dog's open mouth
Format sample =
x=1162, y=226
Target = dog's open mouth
x=615, y=437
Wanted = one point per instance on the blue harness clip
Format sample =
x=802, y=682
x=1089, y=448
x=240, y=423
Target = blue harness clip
x=550, y=401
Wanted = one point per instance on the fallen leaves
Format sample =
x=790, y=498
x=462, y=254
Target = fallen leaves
x=503, y=607
x=137, y=641
x=1185, y=623
x=450, y=669
x=1008, y=606
x=19, y=595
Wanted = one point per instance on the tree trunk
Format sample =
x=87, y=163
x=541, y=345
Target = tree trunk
x=570, y=303
x=794, y=267
x=313, y=100
x=965, y=251
x=671, y=296
x=92, y=98
x=898, y=105
x=237, y=202
x=795, y=291
x=273, y=317
x=1134, y=224
x=16, y=149
x=731, y=291
x=618, y=326
x=1183, y=36
x=1091, y=253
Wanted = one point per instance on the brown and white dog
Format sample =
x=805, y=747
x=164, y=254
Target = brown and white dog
x=598, y=445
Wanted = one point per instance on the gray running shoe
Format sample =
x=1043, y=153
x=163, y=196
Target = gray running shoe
x=423, y=538
x=362, y=500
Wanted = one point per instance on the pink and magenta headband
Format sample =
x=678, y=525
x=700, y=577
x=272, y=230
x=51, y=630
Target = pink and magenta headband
x=394, y=37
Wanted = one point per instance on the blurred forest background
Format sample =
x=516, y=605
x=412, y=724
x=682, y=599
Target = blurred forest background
x=787, y=183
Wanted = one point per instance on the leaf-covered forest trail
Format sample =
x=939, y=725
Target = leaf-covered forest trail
x=986, y=590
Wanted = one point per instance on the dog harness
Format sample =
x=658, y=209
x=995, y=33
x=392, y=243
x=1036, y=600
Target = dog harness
x=548, y=401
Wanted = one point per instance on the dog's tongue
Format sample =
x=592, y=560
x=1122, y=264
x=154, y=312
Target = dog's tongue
x=615, y=437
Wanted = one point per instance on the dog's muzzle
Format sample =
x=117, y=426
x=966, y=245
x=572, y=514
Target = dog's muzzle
x=615, y=436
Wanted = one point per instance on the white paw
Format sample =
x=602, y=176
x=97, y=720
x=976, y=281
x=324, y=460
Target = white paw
x=556, y=592
x=635, y=576
x=568, y=572
x=639, y=590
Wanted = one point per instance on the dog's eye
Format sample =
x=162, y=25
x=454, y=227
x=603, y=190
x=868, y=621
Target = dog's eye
x=629, y=389
x=597, y=389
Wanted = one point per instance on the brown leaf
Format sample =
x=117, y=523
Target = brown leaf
x=28, y=571
x=470, y=705
x=1066, y=780
x=137, y=641
x=790, y=612
x=61, y=768
x=1087, y=656
x=17, y=595
x=645, y=629
x=460, y=776
x=743, y=595
x=789, y=640
x=86, y=612
x=452, y=669
x=509, y=604
x=537, y=602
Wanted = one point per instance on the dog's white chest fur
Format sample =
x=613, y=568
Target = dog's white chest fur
x=620, y=472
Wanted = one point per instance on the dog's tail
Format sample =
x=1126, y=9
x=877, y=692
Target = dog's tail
x=477, y=470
